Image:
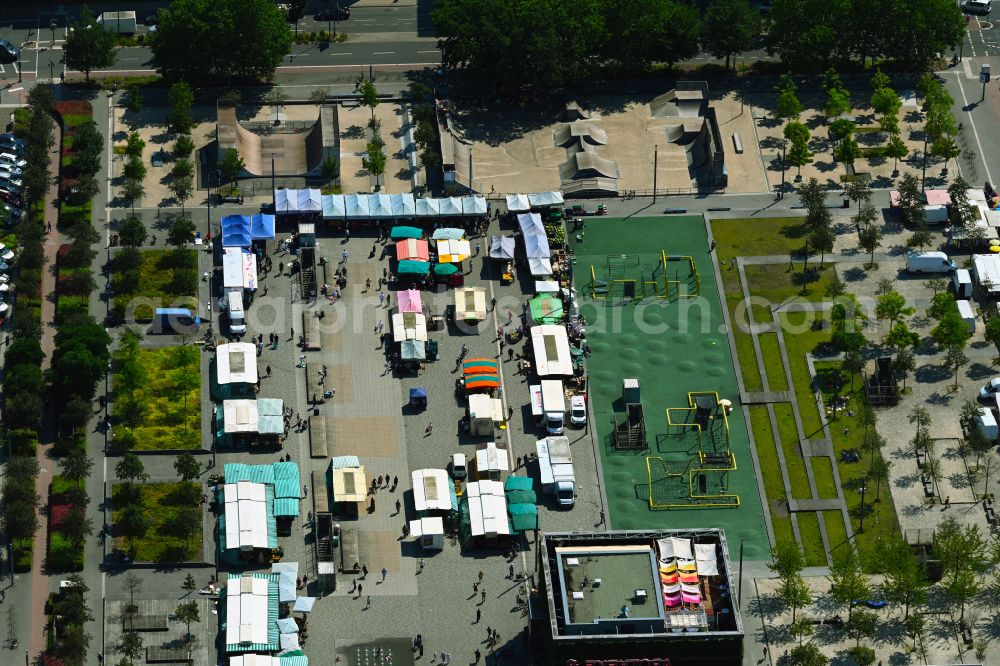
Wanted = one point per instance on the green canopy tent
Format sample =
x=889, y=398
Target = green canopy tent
x=445, y=270
x=546, y=309
x=399, y=233
x=411, y=267
x=523, y=517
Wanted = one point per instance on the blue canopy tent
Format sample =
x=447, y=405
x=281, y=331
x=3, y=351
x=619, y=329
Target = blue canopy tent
x=418, y=397
x=236, y=231
x=261, y=227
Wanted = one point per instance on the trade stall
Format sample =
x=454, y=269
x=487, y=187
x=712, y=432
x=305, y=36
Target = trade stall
x=408, y=300
x=517, y=203
x=412, y=249
x=250, y=613
x=546, y=309
x=470, y=304
x=453, y=251
x=550, y=345
x=448, y=233
x=409, y=326
x=545, y=199
x=483, y=514
x=402, y=232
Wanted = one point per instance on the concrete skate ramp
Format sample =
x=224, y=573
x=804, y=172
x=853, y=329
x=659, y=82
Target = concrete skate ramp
x=678, y=104
x=295, y=153
x=565, y=135
x=685, y=132
x=590, y=187
x=574, y=111
x=587, y=164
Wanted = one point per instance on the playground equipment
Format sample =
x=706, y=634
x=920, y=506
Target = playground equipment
x=625, y=277
x=631, y=433
x=706, y=464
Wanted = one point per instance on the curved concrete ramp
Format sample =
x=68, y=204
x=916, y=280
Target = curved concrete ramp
x=574, y=111
x=586, y=164
x=678, y=104
x=565, y=135
x=590, y=187
x=296, y=153
x=685, y=132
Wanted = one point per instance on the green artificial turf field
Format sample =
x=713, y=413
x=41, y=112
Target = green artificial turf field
x=673, y=346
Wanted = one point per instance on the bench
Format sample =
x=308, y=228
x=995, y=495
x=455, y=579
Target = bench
x=321, y=496
x=317, y=437
x=310, y=328
x=167, y=655
x=146, y=622
x=737, y=143
x=313, y=387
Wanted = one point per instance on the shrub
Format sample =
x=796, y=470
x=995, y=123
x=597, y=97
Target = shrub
x=23, y=441
x=63, y=555
x=22, y=554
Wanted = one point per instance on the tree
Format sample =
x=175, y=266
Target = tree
x=189, y=585
x=901, y=337
x=864, y=624
x=130, y=469
x=245, y=39
x=181, y=99
x=886, y=102
x=812, y=195
x=133, y=99
x=847, y=579
x=131, y=645
x=951, y=331
x=787, y=106
x=181, y=232
x=188, y=468
x=862, y=655
x=369, y=96
x=134, y=145
x=891, y=306
x=841, y=129
x=955, y=359
x=76, y=466
x=963, y=555
x=904, y=363
x=133, y=191
x=319, y=96
x=374, y=160
x=231, y=165
x=184, y=146
x=330, y=167
x=905, y=580
x=807, y=655
x=847, y=152
x=945, y=148
x=932, y=468
x=798, y=156
x=837, y=97
x=941, y=304
x=276, y=99
x=132, y=584
x=133, y=522
x=181, y=183
x=187, y=612
x=742, y=23
x=879, y=470
x=822, y=238
x=794, y=593
x=870, y=239
x=132, y=232
x=134, y=169
x=787, y=559
x=897, y=150
x=88, y=45
x=859, y=191
x=836, y=287
x=853, y=364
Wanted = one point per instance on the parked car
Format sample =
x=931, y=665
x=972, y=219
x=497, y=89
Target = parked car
x=987, y=392
x=6, y=253
x=7, y=186
x=11, y=198
x=8, y=52
x=12, y=179
x=10, y=171
x=977, y=7
x=11, y=158
x=11, y=140
x=10, y=215
x=337, y=13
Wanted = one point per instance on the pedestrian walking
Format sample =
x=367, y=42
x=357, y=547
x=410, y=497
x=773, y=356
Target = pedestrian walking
x=510, y=353
x=380, y=326
x=381, y=298
x=291, y=333
x=281, y=267
x=478, y=656
x=368, y=284
x=510, y=571
x=360, y=588
x=364, y=571
x=479, y=614
x=265, y=290
x=475, y=588
x=434, y=657
x=347, y=234
x=397, y=506
x=305, y=490
x=482, y=600
x=343, y=256
x=385, y=574
x=480, y=576
x=510, y=316
x=395, y=482
x=499, y=332
x=493, y=303
x=268, y=370
x=428, y=430
x=420, y=565
x=711, y=246
x=368, y=603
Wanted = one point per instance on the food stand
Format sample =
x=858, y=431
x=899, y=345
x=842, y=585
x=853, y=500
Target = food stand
x=470, y=304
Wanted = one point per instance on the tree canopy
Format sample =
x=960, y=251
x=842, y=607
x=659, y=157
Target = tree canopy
x=245, y=39
x=88, y=45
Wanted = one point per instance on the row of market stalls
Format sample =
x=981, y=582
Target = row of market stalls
x=243, y=230
x=241, y=418
x=519, y=203
x=257, y=502
x=494, y=511
x=442, y=255
x=335, y=207
x=256, y=616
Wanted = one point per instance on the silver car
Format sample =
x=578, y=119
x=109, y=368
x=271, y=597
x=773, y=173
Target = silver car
x=11, y=158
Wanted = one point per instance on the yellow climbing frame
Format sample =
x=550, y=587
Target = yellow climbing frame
x=697, y=426
x=721, y=500
x=694, y=291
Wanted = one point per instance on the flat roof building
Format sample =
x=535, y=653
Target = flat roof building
x=658, y=594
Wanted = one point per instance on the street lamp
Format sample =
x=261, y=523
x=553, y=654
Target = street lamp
x=861, y=521
x=52, y=27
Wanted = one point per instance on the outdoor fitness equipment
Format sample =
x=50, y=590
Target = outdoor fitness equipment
x=703, y=416
x=630, y=434
x=625, y=277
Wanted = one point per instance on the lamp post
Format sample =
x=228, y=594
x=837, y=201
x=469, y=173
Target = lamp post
x=656, y=149
x=52, y=27
x=274, y=202
x=861, y=520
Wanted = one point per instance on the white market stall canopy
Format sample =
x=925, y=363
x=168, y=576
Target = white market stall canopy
x=239, y=269
x=517, y=203
x=470, y=304
x=409, y=326
x=544, y=199
x=427, y=527
x=236, y=363
x=502, y=247
x=487, y=508
x=287, y=573
x=382, y=206
x=453, y=251
x=537, y=247
x=240, y=416
x=298, y=201
x=350, y=484
x=531, y=224
x=485, y=406
x=491, y=458
x=550, y=345
x=431, y=490
x=986, y=268
x=246, y=515
x=246, y=610
x=540, y=267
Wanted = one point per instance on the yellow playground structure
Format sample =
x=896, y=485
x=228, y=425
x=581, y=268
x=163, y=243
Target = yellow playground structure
x=705, y=462
x=625, y=277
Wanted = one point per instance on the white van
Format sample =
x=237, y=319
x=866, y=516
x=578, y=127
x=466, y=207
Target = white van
x=459, y=467
x=935, y=214
x=234, y=309
x=987, y=423
x=929, y=262
x=962, y=281
x=966, y=313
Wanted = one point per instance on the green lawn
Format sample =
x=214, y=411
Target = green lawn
x=162, y=503
x=770, y=471
x=753, y=237
x=165, y=278
x=168, y=403
x=771, y=354
x=779, y=283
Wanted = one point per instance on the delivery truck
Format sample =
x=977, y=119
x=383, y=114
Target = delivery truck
x=555, y=466
x=548, y=405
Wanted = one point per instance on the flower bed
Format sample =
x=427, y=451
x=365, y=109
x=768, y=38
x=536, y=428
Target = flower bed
x=65, y=553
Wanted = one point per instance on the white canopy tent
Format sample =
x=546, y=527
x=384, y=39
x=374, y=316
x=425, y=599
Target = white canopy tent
x=246, y=610
x=540, y=267
x=428, y=531
x=288, y=573
x=334, y=206
x=470, y=304
x=246, y=516
x=550, y=345
x=409, y=326
x=240, y=416
x=502, y=247
x=285, y=201
x=543, y=199
x=357, y=206
x=487, y=508
x=380, y=205
x=517, y=203
x=491, y=460
x=428, y=207
x=304, y=604
x=403, y=205
x=431, y=490
x=474, y=205
x=451, y=206
x=236, y=363
x=546, y=287
x=531, y=224
x=309, y=201
x=537, y=247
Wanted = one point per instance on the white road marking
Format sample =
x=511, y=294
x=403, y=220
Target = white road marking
x=433, y=51
x=972, y=124
x=383, y=52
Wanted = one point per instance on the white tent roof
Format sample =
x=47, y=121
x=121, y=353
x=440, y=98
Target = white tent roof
x=246, y=515
x=428, y=526
x=357, y=206
x=550, y=345
x=470, y=303
x=304, y=604
x=539, y=267
x=428, y=207
x=409, y=326
x=531, y=224
x=546, y=287
x=474, y=205
x=334, y=206
x=236, y=363
x=285, y=201
x=536, y=247
x=487, y=508
x=517, y=203
x=451, y=206
x=431, y=490
x=491, y=458
x=502, y=247
x=254, y=660
x=987, y=270
x=310, y=200
x=380, y=205
x=403, y=205
x=545, y=199
x=246, y=610
x=240, y=416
